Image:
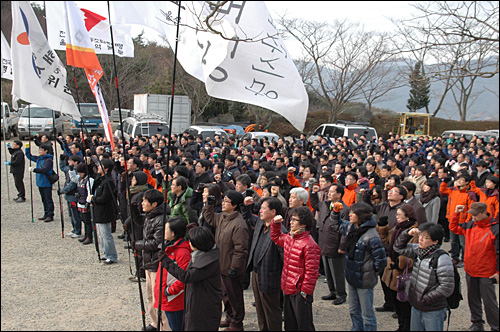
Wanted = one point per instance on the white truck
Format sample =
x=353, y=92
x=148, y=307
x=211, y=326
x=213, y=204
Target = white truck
x=160, y=104
x=12, y=119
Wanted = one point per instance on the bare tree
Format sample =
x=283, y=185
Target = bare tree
x=452, y=23
x=338, y=60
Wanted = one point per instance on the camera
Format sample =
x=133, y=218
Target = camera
x=311, y=181
x=210, y=199
x=249, y=192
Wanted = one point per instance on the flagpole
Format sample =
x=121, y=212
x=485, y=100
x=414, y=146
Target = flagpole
x=57, y=166
x=31, y=155
x=160, y=269
x=127, y=184
x=5, y=128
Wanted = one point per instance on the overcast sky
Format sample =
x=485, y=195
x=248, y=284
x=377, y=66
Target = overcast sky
x=373, y=15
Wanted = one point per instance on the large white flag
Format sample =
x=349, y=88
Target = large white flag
x=6, y=60
x=39, y=76
x=97, y=26
x=254, y=67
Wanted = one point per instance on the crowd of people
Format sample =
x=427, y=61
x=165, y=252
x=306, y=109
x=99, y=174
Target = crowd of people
x=207, y=218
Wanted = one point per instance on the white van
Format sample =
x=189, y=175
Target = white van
x=144, y=124
x=342, y=129
x=468, y=134
x=40, y=120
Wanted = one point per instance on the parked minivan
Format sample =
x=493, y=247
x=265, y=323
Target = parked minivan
x=342, y=129
x=207, y=131
x=468, y=134
x=41, y=121
x=144, y=124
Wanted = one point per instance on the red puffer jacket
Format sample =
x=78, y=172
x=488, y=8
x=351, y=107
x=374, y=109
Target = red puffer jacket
x=300, y=261
x=180, y=252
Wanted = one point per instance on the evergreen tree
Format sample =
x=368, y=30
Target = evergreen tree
x=420, y=88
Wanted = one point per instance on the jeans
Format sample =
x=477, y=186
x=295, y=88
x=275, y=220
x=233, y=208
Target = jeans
x=427, y=320
x=361, y=309
x=48, y=203
x=76, y=219
x=107, y=242
x=175, y=319
x=457, y=246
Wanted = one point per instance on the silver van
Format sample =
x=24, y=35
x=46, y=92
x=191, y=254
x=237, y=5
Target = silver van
x=344, y=129
x=40, y=121
x=468, y=134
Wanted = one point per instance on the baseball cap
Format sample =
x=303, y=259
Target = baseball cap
x=477, y=208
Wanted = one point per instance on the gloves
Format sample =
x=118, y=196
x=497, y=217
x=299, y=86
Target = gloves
x=27, y=145
x=9, y=146
x=6, y=163
x=447, y=179
x=383, y=221
x=337, y=207
x=232, y=273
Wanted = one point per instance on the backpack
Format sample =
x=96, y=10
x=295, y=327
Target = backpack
x=455, y=297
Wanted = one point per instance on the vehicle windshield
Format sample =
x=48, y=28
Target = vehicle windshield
x=37, y=112
x=90, y=111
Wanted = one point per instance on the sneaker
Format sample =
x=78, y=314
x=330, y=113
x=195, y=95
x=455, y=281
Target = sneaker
x=83, y=238
x=76, y=236
x=70, y=234
x=134, y=279
x=48, y=219
x=19, y=200
x=476, y=327
x=109, y=261
x=87, y=241
x=384, y=309
x=42, y=218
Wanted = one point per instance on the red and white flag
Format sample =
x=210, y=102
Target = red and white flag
x=97, y=26
x=81, y=53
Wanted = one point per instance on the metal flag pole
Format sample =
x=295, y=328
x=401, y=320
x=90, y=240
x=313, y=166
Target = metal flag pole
x=5, y=128
x=127, y=184
x=57, y=167
x=165, y=202
x=31, y=155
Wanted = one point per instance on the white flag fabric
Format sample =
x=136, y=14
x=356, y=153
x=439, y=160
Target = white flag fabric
x=161, y=16
x=39, y=76
x=257, y=69
x=97, y=26
x=6, y=60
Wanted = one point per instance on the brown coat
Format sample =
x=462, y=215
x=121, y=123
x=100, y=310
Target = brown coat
x=389, y=277
x=231, y=236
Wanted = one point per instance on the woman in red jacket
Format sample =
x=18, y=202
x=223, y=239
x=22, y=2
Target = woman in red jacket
x=178, y=250
x=300, y=268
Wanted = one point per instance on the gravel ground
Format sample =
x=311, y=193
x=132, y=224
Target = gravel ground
x=54, y=283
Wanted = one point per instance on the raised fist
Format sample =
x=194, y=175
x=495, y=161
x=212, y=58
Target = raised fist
x=337, y=206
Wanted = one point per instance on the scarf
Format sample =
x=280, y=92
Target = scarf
x=353, y=238
x=395, y=234
x=422, y=253
x=137, y=189
x=297, y=232
x=427, y=196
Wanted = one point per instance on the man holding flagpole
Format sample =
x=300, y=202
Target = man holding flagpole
x=80, y=53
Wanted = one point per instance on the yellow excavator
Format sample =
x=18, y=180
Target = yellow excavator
x=414, y=125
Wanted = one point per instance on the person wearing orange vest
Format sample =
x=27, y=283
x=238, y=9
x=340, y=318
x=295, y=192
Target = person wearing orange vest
x=481, y=261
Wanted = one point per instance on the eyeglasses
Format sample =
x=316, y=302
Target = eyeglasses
x=424, y=237
x=295, y=219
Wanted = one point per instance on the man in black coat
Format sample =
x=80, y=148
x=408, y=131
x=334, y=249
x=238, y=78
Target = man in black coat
x=265, y=259
x=17, y=163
